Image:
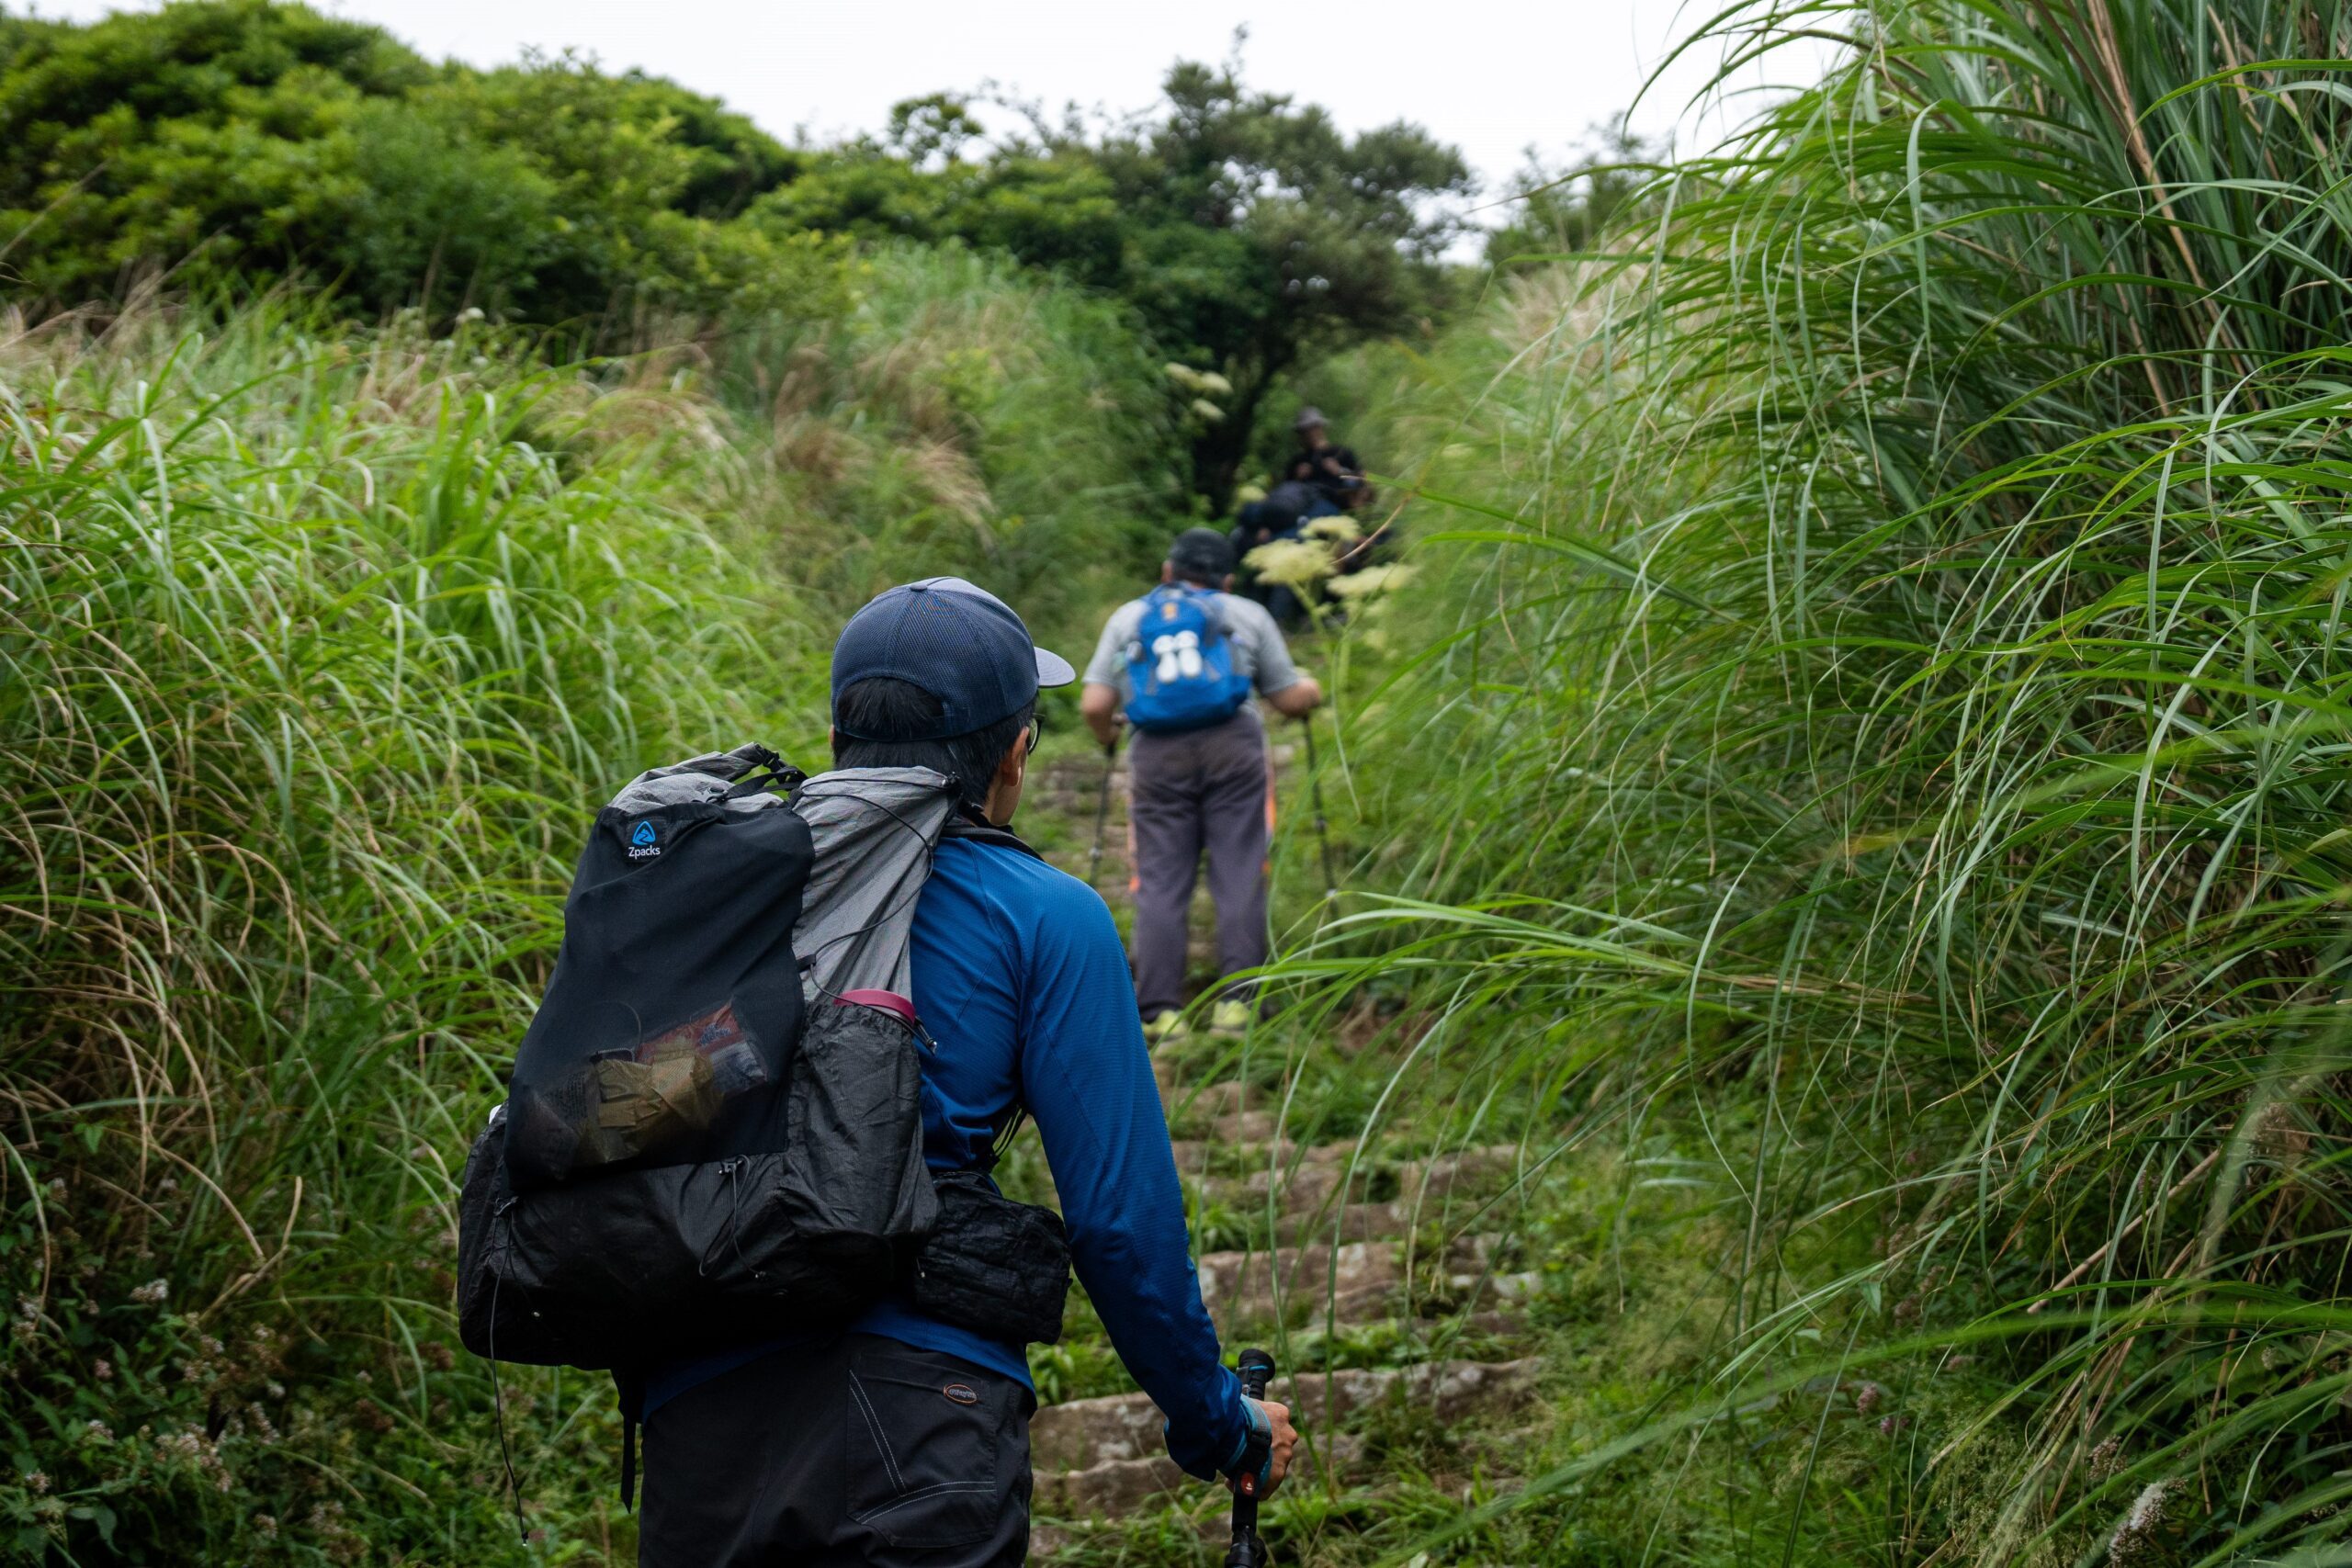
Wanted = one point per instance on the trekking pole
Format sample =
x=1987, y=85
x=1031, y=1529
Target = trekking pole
x=1102, y=807
x=1247, y=1551
x=1322, y=827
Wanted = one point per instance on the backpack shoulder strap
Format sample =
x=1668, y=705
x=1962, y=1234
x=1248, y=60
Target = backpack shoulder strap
x=1213, y=602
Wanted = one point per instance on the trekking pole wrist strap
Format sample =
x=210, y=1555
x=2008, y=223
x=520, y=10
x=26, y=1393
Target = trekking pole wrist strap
x=1255, y=1456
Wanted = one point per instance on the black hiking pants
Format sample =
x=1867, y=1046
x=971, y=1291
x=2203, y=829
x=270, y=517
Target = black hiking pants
x=855, y=1450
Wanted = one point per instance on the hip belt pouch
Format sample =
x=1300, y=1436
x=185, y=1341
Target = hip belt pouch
x=991, y=1265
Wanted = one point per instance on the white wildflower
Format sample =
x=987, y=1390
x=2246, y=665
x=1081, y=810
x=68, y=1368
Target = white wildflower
x=1372, y=580
x=1292, y=562
x=2135, y=1539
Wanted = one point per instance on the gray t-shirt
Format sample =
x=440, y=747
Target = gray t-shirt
x=1259, y=652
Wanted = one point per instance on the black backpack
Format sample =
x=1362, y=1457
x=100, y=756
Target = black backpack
x=714, y=1132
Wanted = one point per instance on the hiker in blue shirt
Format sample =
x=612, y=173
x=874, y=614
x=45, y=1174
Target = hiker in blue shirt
x=906, y=1440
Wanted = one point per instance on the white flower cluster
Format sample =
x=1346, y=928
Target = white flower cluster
x=1371, y=581
x=1204, y=387
x=1293, y=563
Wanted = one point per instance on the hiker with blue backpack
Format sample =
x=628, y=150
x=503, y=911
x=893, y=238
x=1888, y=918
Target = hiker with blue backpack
x=1180, y=664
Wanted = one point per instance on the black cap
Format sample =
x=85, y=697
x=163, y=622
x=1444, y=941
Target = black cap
x=962, y=643
x=1202, y=555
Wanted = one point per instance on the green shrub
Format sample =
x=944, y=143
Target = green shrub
x=232, y=142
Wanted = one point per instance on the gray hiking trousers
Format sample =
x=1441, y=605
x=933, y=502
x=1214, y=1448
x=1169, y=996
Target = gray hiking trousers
x=1201, y=789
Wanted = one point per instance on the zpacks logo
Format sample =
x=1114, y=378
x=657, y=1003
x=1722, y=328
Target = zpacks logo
x=641, y=842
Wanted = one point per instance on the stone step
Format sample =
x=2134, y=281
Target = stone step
x=1349, y=1222
x=1307, y=1181
x=1351, y=1280
x=1114, y=1487
x=1119, y=1486
x=1198, y=1157
x=1083, y=1433
x=1104, y=1456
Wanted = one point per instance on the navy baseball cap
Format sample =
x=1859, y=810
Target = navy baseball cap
x=962, y=643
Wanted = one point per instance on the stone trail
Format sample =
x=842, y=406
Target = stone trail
x=1345, y=1239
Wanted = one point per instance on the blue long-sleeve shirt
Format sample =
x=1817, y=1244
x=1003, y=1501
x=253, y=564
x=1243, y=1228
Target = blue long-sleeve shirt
x=1020, y=976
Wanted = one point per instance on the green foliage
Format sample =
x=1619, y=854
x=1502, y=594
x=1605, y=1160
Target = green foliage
x=315, y=649
x=1247, y=233
x=225, y=144
x=960, y=418
x=240, y=140
x=1061, y=212
x=1889, y=668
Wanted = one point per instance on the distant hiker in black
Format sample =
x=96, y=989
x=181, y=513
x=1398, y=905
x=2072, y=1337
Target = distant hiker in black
x=1332, y=469
x=1280, y=515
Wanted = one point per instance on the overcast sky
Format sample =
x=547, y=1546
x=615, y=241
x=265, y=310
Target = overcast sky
x=1492, y=76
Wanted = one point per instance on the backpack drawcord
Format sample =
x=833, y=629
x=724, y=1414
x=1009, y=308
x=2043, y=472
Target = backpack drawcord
x=498, y=1390
x=730, y=1171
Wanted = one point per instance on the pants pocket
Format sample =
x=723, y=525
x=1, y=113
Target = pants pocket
x=925, y=1444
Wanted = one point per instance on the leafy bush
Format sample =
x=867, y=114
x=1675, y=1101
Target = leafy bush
x=236, y=141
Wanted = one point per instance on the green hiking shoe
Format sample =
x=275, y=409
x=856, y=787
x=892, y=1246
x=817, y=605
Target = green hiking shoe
x=1231, y=1018
x=1165, y=1028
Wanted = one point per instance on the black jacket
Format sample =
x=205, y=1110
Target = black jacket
x=1334, y=471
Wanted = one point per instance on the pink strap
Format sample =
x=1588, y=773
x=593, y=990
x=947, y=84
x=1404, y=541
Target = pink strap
x=889, y=1001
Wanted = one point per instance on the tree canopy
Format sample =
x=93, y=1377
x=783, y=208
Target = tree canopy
x=1250, y=233
x=239, y=139
x=246, y=140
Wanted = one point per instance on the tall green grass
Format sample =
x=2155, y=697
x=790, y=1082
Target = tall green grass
x=961, y=417
x=1884, y=710
x=317, y=648
x=313, y=650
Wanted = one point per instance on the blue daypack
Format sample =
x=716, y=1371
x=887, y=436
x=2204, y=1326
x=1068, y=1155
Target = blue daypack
x=1180, y=666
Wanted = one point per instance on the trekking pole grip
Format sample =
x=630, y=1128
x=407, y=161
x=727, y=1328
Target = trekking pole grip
x=1257, y=1371
x=1247, y=1552
x=1102, y=807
